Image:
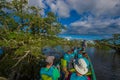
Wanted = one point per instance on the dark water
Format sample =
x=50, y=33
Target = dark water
x=106, y=64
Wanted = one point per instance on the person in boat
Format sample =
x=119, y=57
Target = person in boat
x=82, y=54
x=78, y=49
x=84, y=44
x=67, y=63
x=79, y=55
x=80, y=70
x=50, y=72
x=85, y=55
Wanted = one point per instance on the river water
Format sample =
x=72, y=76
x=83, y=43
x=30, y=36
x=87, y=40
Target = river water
x=106, y=63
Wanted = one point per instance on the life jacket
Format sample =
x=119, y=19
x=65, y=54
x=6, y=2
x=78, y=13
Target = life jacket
x=69, y=60
x=49, y=74
x=75, y=77
x=45, y=77
x=79, y=56
x=46, y=73
x=75, y=51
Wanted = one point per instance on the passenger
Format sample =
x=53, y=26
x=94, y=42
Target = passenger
x=49, y=72
x=78, y=49
x=75, y=51
x=67, y=63
x=79, y=55
x=84, y=45
x=85, y=57
x=81, y=69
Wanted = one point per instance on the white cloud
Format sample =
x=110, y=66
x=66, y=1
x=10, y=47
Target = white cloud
x=37, y=3
x=106, y=7
x=94, y=26
x=102, y=12
x=81, y=23
x=63, y=9
x=81, y=5
x=60, y=7
x=97, y=7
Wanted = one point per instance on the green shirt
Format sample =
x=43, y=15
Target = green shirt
x=51, y=73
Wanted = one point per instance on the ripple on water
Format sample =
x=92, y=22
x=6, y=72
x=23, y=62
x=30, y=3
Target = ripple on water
x=106, y=64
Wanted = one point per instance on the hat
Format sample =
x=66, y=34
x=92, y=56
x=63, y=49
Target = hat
x=50, y=59
x=81, y=67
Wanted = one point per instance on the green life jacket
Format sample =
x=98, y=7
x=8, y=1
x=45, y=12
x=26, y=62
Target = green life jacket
x=45, y=77
x=49, y=74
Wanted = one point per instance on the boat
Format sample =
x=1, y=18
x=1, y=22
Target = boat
x=92, y=72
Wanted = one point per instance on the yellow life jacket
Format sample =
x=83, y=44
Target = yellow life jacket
x=45, y=77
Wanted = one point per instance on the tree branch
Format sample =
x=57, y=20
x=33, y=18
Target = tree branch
x=27, y=52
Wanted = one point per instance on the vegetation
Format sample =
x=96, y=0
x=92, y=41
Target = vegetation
x=23, y=34
x=112, y=43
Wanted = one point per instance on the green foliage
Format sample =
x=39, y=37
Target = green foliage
x=28, y=16
x=112, y=43
x=17, y=42
x=5, y=65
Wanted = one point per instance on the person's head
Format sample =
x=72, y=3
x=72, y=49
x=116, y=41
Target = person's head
x=69, y=51
x=82, y=49
x=85, y=54
x=80, y=52
x=72, y=50
x=78, y=48
x=84, y=40
x=49, y=60
x=81, y=67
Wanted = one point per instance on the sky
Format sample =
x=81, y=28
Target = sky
x=84, y=17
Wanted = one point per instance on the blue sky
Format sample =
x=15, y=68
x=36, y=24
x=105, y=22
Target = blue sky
x=84, y=17
x=86, y=36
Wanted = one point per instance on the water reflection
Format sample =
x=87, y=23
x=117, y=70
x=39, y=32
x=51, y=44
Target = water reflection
x=106, y=64
x=57, y=51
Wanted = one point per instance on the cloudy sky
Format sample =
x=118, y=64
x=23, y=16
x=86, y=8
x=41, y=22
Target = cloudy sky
x=84, y=16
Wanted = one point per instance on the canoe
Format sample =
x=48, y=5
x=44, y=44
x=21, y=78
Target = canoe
x=92, y=75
